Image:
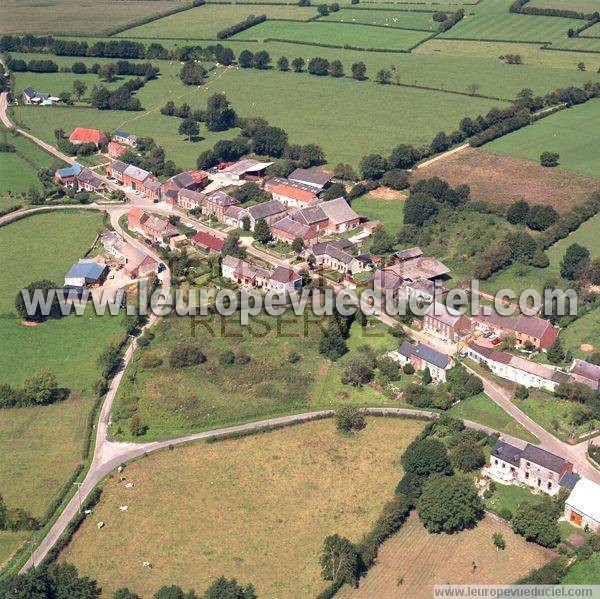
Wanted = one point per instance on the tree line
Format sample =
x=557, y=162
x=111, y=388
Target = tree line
x=520, y=6
x=249, y=21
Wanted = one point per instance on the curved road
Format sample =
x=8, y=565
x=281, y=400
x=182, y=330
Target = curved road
x=109, y=454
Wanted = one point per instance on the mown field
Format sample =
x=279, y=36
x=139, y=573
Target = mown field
x=573, y=133
x=256, y=508
x=41, y=445
x=206, y=21
x=337, y=34
x=387, y=18
x=390, y=212
x=578, y=5
x=413, y=560
x=503, y=179
x=493, y=21
x=534, y=278
x=67, y=16
x=585, y=330
x=584, y=572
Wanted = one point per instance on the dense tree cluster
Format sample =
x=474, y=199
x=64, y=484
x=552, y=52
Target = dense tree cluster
x=119, y=99
x=249, y=21
x=538, y=522
x=192, y=73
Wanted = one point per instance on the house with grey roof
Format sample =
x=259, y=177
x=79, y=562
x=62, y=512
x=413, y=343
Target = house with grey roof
x=340, y=216
x=334, y=255
x=31, y=96
x=271, y=211
x=421, y=357
x=287, y=229
x=586, y=373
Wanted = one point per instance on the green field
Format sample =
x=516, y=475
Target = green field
x=42, y=445
x=510, y=497
x=585, y=6
x=76, y=16
x=337, y=34
x=573, y=133
x=387, y=18
x=584, y=572
x=206, y=21
x=389, y=212
x=534, y=278
x=585, y=329
x=493, y=21
x=484, y=410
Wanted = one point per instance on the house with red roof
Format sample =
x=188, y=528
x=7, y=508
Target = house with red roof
x=208, y=243
x=115, y=149
x=82, y=135
x=136, y=217
x=292, y=194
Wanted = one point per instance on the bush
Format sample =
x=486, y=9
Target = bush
x=349, y=418
x=549, y=159
x=505, y=514
x=227, y=358
x=537, y=522
x=424, y=457
x=151, y=360
x=408, y=368
x=186, y=354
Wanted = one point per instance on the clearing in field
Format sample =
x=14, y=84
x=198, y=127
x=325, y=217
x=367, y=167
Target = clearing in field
x=574, y=133
x=65, y=16
x=503, y=179
x=413, y=560
x=206, y=21
x=335, y=34
x=256, y=508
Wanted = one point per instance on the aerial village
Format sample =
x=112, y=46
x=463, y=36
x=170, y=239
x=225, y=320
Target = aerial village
x=324, y=237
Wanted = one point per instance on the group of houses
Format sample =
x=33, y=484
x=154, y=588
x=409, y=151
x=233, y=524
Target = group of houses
x=282, y=279
x=156, y=229
x=79, y=178
x=35, y=98
x=545, y=472
x=135, y=263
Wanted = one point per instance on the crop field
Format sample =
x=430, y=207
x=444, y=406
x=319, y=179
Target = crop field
x=493, y=21
x=503, y=179
x=441, y=558
x=388, y=18
x=535, y=278
x=68, y=16
x=336, y=34
x=270, y=501
x=206, y=21
x=573, y=133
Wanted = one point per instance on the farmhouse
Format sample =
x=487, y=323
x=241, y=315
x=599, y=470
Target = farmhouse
x=134, y=177
x=531, y=466
x=135, y=263
x=82, y=135
x=586, y=373
x=151, y=188
x=287, y=229
x=157, y=229
x=233, y=215
x=216, y=203
x=446, y=323
x=291, y=193
x=208, y=243
x=136, y=217
x=421, y=357
x=539, y=332
x=193, y=180
x=122, y=137
x=284, y=280
x=31, y=96
x=518, y=369
x=86, y=273
x=116, y=169
x=582, y=507
x=315, y=179
x=340, y=216
x=66, y=176
x=333, y=255
x=271, y=211
x=115, y=149
x=313, y=217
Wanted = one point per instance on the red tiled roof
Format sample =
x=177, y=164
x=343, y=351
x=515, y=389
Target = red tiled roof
x=209, y=241
x=198, y=176
x=116, y=149
x=83, y=135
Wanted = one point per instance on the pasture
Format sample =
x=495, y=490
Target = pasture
x=573, y=133
x=335, y=34
x=585, y=6
x=257, y=508
x=206, y=21
x=65, y=16
x=585, y=330
x=503, y=179
x=389, y=212
x=388, y=18
x=413, y=560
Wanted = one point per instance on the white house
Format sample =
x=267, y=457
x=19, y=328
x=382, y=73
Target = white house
x=582, y=507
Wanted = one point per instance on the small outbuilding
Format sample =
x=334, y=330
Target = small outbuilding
x=86, y=273
x=582, y=508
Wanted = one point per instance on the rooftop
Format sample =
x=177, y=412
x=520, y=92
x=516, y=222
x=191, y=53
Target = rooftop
x=139, y=174
x=507, y=452
x=338, y=211
x=87, y=269
x=585, y=498
x=543, y=458
x=315, y=178
x=266, y=209
x=427, y=354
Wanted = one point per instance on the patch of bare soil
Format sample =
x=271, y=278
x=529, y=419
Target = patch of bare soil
x=386, y=193
x=29, y=323
x=501, y=179
x=587, y=347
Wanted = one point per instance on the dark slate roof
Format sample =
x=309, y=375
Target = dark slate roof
x=507, y=452
x=87, y=269
x=569, y=480
x=118, y=165
x=428, y=354
x=266, y=209
x=183, y=179
x=543, y=458
x=315, y=178
x=409, y=253
x=30, y=92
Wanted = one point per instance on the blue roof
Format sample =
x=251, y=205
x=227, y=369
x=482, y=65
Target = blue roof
x=69, y=171
x=569, y=480
x=87, y=269
x=121, y=134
